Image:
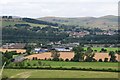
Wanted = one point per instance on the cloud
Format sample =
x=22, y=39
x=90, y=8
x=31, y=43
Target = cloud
x=60, y=8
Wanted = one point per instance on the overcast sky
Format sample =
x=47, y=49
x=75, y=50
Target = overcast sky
x=58, y=8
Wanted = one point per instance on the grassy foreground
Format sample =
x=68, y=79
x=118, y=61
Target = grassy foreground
x=32, y=73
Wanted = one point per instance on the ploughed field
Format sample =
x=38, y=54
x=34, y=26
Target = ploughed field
x=35, y=73
x=69, y=55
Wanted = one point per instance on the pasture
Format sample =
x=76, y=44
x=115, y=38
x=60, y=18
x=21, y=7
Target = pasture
x=93, y=65
x=33, y=73
x=99, y=49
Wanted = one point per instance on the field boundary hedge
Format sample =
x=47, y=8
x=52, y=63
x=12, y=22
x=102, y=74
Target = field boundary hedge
x=61, y=68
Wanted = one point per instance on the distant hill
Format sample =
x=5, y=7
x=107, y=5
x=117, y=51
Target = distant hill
x=18, y=20
x=104, y=22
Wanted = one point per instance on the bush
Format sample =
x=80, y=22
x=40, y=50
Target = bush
x=73, y=68
x=100, y=60
x=55, y=59
x=34, y=64
x=106, y=60
x=28, y=64
x=61, y=59
x=103, y=50
x=34, y=58
x=45, y=59
x=49, y=59
x=66, y=59
x=72, y=60
x=95, y=50
x=94, y=60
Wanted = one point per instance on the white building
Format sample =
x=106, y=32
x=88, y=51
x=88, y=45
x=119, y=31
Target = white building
x=63, y=49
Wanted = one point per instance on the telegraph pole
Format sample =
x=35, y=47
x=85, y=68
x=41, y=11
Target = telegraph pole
x=2, y=70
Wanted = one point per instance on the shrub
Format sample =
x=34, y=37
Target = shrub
x=55, y=59
x=94, y=60
x=95, y=50
x=61, y=59
x=72, y=59
x=67, y=59
x=45, y=59
x=103, y=50
x=49, y=59
x=106, y=60
x=100, y=60
x=39, y=63
x=73, y=68
x=28, y=64
x=34, y=64
x=34, y=58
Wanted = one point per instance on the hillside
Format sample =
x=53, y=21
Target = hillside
x=55, y=29
x=104, y=22
x=17, y=21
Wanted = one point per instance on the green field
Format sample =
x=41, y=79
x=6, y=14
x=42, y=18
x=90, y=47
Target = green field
x=32, y=73
x=93, y=65
x=12, y=23
x=99, y=49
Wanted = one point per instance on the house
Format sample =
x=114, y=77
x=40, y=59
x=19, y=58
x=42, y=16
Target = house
x=79, y=34
x=62, y=49
x=40, y=50
x=13, y=46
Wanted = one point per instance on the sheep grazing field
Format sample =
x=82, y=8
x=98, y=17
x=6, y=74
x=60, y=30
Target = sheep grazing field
x=33, y=73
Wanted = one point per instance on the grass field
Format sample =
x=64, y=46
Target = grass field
x=93, y=65
x=99, y=49
x=7, y=23
x=32, y=73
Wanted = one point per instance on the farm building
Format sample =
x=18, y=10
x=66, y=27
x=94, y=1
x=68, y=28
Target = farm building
x=13, y=46
x=63, y=49
x=40, y=50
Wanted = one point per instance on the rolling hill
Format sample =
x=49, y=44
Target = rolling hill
x=104, y=22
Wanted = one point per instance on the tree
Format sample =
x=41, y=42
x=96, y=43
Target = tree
x=103, y=50
x=9, y=17
x=39, y=63
x=28, y=49
x=106, y=60
x=55, y=55
x=112, y=56
x=89, y=54
x=67, y=59
x=79, y=54
x=100, y=60
x=28, y=64
x=4, y=17
x=7, y=57
x=61, y=59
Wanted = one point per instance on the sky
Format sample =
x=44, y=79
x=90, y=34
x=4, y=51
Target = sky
x=58, y=8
